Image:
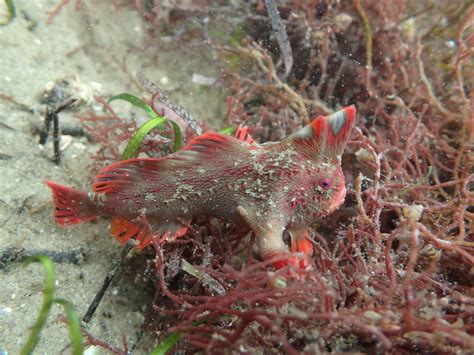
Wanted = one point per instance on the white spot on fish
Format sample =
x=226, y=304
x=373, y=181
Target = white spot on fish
x=337, y=121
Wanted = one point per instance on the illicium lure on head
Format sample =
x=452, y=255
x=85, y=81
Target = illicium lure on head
x=272, y=187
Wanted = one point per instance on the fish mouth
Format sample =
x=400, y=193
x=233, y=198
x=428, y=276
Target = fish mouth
x=338, y=199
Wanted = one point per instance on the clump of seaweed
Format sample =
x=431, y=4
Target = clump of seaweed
x=397, y=271
x=392, y=269
x=109, y=127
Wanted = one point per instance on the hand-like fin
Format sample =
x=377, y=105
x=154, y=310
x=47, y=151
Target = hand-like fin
x=173, y=229
x=326, y=135
x=300, y=242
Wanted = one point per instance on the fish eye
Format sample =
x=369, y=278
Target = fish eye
x=325, y=184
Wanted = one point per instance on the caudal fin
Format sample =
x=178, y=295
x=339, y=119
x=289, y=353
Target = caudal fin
x=71, y=206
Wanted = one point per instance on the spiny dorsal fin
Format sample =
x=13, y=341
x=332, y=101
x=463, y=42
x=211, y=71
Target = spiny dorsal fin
x=243, y=135
x=129, y=175
x=326, y=135
x=209, y=143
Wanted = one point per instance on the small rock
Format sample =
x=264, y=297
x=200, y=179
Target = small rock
x=413, y=212
x=364, y=155
x=373, y=316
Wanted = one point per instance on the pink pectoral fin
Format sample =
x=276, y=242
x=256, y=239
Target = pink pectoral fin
x=300, y=242
x=292, y=260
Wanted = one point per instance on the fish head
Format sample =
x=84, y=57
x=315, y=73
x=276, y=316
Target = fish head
x=322, y=143
x=328, y=190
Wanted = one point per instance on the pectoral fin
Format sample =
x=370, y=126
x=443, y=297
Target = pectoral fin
x=300, y=242
x=269, y=233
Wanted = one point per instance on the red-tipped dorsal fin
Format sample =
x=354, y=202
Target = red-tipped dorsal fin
x=129, y=176
x=243, y=135
x=326, y=135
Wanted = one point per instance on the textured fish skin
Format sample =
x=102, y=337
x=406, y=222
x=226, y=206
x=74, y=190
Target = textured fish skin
x=272, y=187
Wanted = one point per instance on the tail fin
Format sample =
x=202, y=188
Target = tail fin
x=71, y=206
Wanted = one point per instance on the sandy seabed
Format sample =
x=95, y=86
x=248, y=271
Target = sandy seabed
x=86, y=48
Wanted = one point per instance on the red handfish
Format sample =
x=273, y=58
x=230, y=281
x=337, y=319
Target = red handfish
x=272, y=187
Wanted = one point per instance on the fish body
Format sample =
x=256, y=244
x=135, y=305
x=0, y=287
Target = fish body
x=272, y=187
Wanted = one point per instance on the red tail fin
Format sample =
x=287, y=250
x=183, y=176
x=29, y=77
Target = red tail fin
x=71, y=206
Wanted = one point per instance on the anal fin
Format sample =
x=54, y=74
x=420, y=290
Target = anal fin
x=139, y=229
x=123, y=230
x=71, y=206
x=171, y=230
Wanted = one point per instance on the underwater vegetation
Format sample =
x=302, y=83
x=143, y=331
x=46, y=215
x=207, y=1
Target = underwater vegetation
x=392, y=270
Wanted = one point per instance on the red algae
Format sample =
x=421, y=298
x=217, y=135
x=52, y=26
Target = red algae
x=392, y=269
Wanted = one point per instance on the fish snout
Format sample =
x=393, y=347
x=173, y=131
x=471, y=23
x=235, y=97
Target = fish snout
x=337, y=199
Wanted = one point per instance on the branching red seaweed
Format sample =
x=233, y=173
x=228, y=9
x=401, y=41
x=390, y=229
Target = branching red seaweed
x=393, y=268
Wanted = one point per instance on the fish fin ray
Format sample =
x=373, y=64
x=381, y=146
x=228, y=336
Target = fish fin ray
x=125, y=175
x=129, y=176
x=175, y=229
x=71, y=206
x=123, y=229
x=300, y=242
x=326, y=135
x=144, y=233
x=243, y=135
x=210, y=144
